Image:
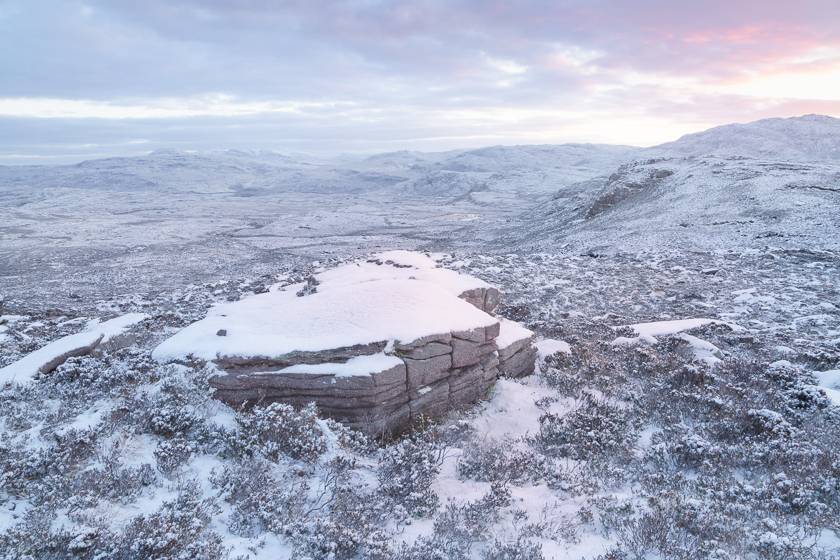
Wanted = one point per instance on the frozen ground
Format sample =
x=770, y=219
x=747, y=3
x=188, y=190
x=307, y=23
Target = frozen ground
x=612, y=451
x=687, y=306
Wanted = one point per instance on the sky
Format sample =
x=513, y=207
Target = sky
x=86, y=79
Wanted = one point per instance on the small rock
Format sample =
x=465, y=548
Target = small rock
x=259, y=289
x=221, y=332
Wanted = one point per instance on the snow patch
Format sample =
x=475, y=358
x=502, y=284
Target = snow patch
x=511, y=332
x=359, y=365
x=647, y=332
x=830, y=383
x=25, y=369
x=548, y=346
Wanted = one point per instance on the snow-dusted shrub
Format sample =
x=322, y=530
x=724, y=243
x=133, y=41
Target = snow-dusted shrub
x=407, y=470
x=45, y=474
x=103, y=373
x=498, y=461
x=172, y=416
x=352, y=441
x=583, y=477
x=278, y=430
x=614, y=553
x=430, y=548
x=594, y=428
x=172, y=411
x=36, y=537
x=350, y=527
x=459, y=527
x=20, y=408
x=179, y=530
x=521, y=548
x=109, y=479
x=264, y=497
x=770, y=423
x=687, y=447
x=172, y=453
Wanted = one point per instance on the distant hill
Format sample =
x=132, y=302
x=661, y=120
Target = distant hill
x=806, y=138
x=772, y=182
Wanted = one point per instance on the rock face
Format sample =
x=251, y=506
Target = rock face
x=438, y=354
x=517, y=353
x=428, y=378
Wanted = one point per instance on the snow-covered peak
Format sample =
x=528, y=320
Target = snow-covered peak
x=805, y=138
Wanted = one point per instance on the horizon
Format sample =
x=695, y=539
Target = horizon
x=93, y=79
x=335, y=156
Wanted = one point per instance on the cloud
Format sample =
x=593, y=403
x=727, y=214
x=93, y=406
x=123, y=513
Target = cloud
x=373, y=74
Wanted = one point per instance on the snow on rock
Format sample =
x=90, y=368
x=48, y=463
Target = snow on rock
x=46, y=359
x=549, y=346
x=704, y=351
x=647, y=332
x=356, y=304
x=376, y=343
x=511, y=332
x=830, y=383
x=358, y=365
x=5, y=321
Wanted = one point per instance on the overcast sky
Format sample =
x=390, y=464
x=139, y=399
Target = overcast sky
x=93, y=78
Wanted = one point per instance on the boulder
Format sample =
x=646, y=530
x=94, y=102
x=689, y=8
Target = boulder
x=486, y=298
x=378, y=345
x=81, y=350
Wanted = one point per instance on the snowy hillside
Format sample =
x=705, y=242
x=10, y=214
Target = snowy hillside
x=806, y=138
x=678, y=394
x=770, y=183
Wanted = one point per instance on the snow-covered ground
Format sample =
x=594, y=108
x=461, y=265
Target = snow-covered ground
x=126, y=225
x=685, y=302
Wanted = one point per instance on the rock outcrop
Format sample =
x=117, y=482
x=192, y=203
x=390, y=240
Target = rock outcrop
x=377, y=345
x=47, y=358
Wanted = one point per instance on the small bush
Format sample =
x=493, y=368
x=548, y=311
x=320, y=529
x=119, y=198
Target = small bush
x=264, y=499
x=500, y=461
x=278, y=430
x=407, y=471
x=595, y=428
x=178, y=531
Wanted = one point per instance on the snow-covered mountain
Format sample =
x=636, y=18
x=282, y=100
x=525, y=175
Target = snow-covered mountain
x=771, y=182
x=806, y=138
x=540, y=169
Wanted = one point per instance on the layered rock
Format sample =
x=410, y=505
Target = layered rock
x=377, y=344
x=517, y=353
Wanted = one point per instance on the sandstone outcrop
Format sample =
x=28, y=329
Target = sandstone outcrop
x=377, y=345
